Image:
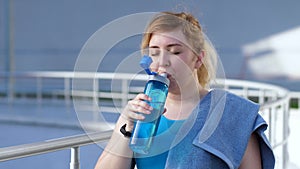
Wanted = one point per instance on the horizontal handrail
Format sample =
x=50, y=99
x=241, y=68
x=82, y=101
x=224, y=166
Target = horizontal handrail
x=226, y=83
x=80, y=75
x=25, y=150
x=245, y=86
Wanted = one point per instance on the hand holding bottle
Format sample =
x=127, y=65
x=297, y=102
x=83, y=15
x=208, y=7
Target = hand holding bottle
x=136, y=109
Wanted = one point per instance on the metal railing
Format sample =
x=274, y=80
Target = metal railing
x=274, y=103
x=73, y=143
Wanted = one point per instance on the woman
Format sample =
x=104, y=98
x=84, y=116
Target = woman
x=200, y=128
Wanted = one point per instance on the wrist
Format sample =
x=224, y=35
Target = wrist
x=129, y=127
x=125, y=131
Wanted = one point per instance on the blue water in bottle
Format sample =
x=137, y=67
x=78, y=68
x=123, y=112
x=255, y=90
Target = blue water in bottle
x=144, y=131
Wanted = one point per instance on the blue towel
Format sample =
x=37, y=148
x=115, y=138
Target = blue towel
x=216, y=134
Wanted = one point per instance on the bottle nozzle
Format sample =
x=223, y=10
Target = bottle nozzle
x=145, y=64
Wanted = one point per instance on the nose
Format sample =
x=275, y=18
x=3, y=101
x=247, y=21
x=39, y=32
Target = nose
x=164, y=59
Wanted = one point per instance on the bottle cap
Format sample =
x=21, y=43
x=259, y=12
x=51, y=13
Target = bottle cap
x=161, y=78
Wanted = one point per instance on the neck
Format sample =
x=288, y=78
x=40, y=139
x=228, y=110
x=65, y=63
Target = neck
x=189, y=96
x=180, y=105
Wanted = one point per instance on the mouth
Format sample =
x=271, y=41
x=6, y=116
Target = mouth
x=168, y=74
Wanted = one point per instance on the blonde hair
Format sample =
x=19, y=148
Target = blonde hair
x=190, y=27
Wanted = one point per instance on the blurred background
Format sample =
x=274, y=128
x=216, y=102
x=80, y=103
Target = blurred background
x=256, y=40
x=48, y=35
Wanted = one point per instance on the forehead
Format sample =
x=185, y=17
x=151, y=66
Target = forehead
x=166, y=38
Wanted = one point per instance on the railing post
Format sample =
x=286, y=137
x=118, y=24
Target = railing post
x=245, y=92
x=124, y=92
x=285, y=157
x=10, y=57
x=39, y=89
x=10, y=87
x=95, y=98
x=67, y=93
x=270, y=126
x=74, y=163
x=261, y=97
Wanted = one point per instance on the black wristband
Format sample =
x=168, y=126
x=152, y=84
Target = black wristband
x=124, y=132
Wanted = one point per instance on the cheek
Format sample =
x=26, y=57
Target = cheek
x=179, y=70
x=183, y=73
x=182, y=63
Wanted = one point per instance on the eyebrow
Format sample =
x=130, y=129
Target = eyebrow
x=168, y=46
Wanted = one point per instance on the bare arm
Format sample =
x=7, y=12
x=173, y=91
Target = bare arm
x=252, y=158
x=117, y=153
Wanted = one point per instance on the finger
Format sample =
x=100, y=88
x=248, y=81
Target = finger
x=135, y=108
x=140, y=105
x=131, y=116
x=134, y=112
x=136, y=116
x=142, y=96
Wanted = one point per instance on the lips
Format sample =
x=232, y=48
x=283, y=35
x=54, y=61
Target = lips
x=169, y=76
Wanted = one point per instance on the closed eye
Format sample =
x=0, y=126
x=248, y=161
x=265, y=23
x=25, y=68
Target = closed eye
x=175, y=49
x=176, y=53
x=154, y=51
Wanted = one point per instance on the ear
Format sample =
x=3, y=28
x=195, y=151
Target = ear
x=199, y=59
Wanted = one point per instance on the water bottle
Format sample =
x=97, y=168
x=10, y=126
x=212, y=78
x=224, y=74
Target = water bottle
x=144, y=131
